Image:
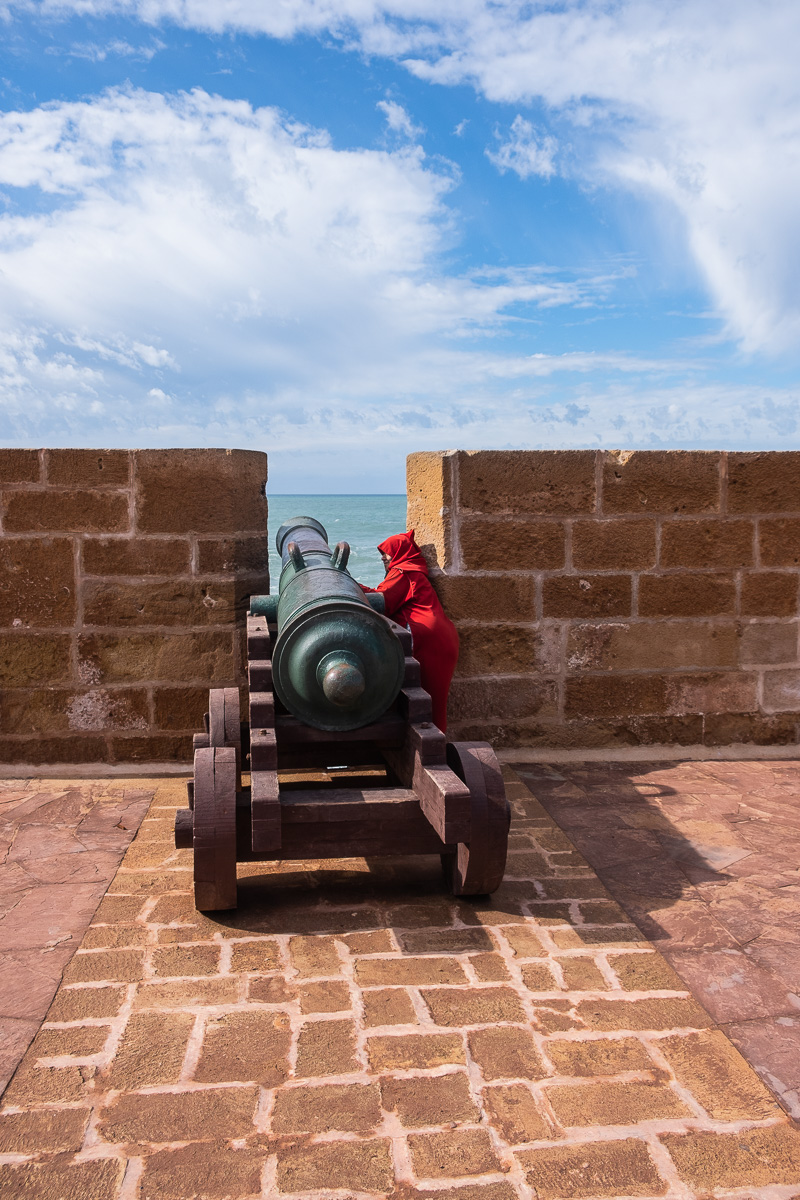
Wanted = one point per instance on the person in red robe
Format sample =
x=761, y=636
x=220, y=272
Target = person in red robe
x=411, y=601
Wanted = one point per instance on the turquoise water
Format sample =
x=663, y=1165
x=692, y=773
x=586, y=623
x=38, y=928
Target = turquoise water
x=363, y=521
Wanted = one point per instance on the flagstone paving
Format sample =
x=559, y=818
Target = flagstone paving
x=354, y=1031
x=60, y=846
x=705, y=858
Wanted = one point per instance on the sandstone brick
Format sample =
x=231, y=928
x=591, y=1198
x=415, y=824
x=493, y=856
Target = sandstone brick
x=768, y=642
x=506, y=1052
x=191, y=993
x=259, y=956
x=445, y=941
x=209, y=1170
x=186, y=960
x=75, y=1004
x=538, y=977
x=622, y=1168
x=717, y=1075
x=749, y=1158
x=42, y=1131
x=80, y=1040
x=582, y=975
x=586, y=596
x=38, y=588
x=350, y=1107
x=245, y=1045
x=31, y=660
x=114, y=966
x=612, y=937
x=711, y=693
x=474, y=1191
x=615, y=695
x=271, y=989
x=168, y=747
x=152, y=1050
x=388, y=1006
x=662, y=1013
x=782, y=689
x=474, y=1006
x=646, y=972
x=53, y=1177
x=379, y=942
x=573, y=889
x=723, y=729
x=506, y=650
x=87, y=468
x=490, y=968
x=487, y=598
x=452, y=1153
x=59, y=510
x=614, y=545
x=769, y=594
x=169, y=602
x=716, y=543
x=201, y=491
x=429, y=489
x=115, y=937
x=136, y=556
x=779, y=541
x=439, y=1100
x=513, y=696
x=615, y=1103
x=600, y=1057
x=180, y=707
x=49, y=711
x=48, y=1085
x=527, y=481
x=661, y=481
x=19, y=466
x=363, y=1166
x=511, y=545
x=325, y=996
x=236, y=556
x=688, y=594
x=326, y=1048
x=512, y=1111
x=372, y=972
x=414, y=1051
x=314, y=956
x=211, y=1112
x=204, y=657
x=523, y=941
x=652, y=645
x=764, y=482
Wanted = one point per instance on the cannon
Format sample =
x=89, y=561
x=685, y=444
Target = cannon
x=344, y=759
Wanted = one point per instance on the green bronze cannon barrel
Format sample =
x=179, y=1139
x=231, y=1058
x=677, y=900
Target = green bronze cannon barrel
x=336, y=664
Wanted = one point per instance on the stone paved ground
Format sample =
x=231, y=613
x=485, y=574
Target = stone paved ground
x=705, y=857
x=356, y=1032
x=60, y=846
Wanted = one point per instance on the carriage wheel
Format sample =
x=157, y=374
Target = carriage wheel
x=477, y=867
x=214, y=834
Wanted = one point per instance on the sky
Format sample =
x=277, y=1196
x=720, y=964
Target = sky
x=344, y=230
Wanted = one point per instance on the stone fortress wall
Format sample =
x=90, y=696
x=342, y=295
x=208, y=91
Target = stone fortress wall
x=617, y=599
x=123, y=583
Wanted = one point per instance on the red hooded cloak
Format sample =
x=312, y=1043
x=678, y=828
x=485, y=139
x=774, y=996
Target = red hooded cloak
x=411, y=601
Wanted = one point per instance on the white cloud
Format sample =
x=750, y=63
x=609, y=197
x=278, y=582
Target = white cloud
x=525, y=151
x=398, y=119
x=693, y=103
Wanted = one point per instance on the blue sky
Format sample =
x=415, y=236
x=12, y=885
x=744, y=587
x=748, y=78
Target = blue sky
x=343, y=230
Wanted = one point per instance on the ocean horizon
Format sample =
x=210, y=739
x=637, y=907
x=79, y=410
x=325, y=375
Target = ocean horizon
x=361, y=519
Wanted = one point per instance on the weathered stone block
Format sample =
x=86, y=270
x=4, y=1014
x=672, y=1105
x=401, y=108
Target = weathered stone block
x=203, y=657
x=661, y=481
x=19, y=466
x=152, y=748
x=779, y=541
x=236, y=556
x=61, y=510
x=723, y=729
x=586, y=596
x=527, y=481
x=750, y=1158
x=510, y=697
x=614, y=545
x=764, y=482
x=686, y=595
x=730, y=691
x=707, y=544
x=32, y=660
x=363, y=1166
x=201, y=491
x=218, y=1112
x=180, y=708
x=136, y=556
x=621, y=1168
x=173, y=602
x=767, y=642
x=770, y=594
x=651, y=645
x=40, y=751
x=88, y=468
x=782, y=690
x=429, y=489
x=508, y=649
x=52, y=711
x=37, y=582
x=615, y=695
x=511, y=545
x=487, y=598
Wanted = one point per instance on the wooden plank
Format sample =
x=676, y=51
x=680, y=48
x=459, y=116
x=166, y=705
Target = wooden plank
x=263, y=750
x=370, y=805
x=403, y=634
x=265, y=814
x=424, y=743
x=215, y=828
x=388, y=731
x=411, y=676
x=259, y=674
x=259, y=642
x=414, y=704
x=262, y=710
x=444, y=800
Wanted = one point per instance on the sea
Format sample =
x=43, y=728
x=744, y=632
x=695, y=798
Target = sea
x=363, y=521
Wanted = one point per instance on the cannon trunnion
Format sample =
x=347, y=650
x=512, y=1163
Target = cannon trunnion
x=344, y=758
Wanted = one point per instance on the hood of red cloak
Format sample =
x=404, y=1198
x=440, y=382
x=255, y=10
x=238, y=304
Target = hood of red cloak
x=404, y=553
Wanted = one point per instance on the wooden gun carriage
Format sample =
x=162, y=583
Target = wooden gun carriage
x=353, y=775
